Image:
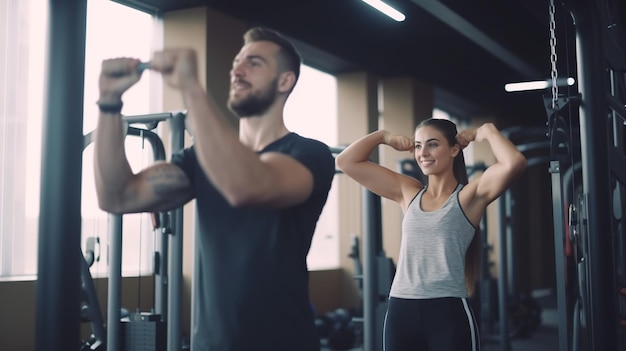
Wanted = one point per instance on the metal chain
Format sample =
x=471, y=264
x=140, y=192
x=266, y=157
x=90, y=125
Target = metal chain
x=554, y=73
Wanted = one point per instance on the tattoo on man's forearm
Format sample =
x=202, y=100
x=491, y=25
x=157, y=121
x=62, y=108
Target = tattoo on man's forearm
x=165, y=180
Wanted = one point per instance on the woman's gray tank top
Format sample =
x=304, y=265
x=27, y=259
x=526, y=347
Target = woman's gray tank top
x=431, y=263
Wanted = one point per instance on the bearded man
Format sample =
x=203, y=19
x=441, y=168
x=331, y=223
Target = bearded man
x=259, y=192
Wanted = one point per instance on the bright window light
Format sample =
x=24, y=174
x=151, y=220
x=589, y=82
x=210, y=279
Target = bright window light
x=386, y=9
x=537, y=85
x=318, y=120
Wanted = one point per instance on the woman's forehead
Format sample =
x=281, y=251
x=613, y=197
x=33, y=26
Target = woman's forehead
x=427, y=133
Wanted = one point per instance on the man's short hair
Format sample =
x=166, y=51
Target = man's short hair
x=289, y=58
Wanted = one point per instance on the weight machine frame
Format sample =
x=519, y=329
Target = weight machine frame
x=168, y=268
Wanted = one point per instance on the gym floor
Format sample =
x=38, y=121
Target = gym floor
x=544, y=338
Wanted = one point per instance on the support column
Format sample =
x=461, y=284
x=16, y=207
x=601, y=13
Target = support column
x=357, y=115
x=405, y=103
x=58, y=267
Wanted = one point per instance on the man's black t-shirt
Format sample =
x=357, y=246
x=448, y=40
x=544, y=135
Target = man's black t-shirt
x=250, y=274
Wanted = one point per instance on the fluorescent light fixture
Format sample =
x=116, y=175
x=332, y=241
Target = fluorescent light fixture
x=386, y=9
x=538, y=85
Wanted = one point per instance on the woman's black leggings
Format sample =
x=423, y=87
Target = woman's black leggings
x=442, y=324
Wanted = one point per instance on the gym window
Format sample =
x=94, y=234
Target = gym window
x=133, y=35
x=22, y=38
x=22, y=83
x=311, y=111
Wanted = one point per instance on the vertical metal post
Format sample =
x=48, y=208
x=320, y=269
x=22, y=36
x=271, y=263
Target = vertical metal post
x=114, y=304
x=502, y=275
x=161, y=245
x=559, y=253
x=619, y=192
x=161, y=277
x=175, y=271
x=594, y=155
x=507, y=197
x=58, y=267
x=371, y=231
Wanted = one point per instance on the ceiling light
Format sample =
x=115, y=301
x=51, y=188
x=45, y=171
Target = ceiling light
x=386, y=9
x=538, y=85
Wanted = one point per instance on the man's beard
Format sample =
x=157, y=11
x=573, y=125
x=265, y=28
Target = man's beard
x=255, y=104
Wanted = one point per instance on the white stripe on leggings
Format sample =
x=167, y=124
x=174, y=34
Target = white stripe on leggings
x=470, y=319
x=385, y=330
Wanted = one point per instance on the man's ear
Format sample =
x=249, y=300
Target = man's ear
x=286, y=81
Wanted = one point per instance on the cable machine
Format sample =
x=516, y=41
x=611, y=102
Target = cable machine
x=166, y=315
x=532, y=144
x=593, y=225
x=90, y=308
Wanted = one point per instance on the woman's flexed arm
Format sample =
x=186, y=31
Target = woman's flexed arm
x=510, y=162
x=354, y=161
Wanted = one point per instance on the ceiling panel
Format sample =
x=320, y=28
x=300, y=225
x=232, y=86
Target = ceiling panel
x=467, y=49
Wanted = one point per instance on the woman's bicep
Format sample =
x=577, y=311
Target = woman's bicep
x=494, y=181
x=379, y=180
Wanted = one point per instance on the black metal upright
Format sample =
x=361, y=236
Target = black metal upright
x=503, y=292
x=58, y=277
x=175, y=262
x=595, y=168
x=559, y=254
x=372, y=244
